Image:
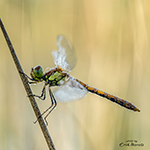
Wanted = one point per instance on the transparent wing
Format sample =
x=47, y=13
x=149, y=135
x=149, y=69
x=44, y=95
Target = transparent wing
x=71, y=90
x=65, y=56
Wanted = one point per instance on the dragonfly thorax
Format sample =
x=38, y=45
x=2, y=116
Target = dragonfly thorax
x=56, y=77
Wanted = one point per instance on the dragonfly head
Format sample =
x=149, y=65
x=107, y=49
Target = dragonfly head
x=37, y=73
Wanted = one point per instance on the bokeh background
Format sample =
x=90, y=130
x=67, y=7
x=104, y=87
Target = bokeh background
x=112, y=42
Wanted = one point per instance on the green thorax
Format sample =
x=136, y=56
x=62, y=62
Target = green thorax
x=55, y=77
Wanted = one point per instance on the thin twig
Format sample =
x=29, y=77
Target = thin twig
x=28, y=90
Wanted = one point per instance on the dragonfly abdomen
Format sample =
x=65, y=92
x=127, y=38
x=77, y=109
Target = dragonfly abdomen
x=117, y=100
x=110, y=97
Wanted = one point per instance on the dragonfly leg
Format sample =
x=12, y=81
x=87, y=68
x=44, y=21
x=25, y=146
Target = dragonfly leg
x=27, y=76
x=43, y=94
x=33, y=82
x=52, y=106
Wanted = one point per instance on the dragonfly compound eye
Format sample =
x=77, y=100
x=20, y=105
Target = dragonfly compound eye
x=36, y=72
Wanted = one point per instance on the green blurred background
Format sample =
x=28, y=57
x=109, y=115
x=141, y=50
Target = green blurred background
x=112, y=42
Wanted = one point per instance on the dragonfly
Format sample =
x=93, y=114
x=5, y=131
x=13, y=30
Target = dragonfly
x=69, y=88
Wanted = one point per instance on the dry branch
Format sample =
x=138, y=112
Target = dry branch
x=28, y=90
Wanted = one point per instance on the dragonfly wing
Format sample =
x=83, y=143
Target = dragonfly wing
x=65, y=56
x=71, y=90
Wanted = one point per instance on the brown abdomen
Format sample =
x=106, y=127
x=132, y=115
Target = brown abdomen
x=110, y=97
